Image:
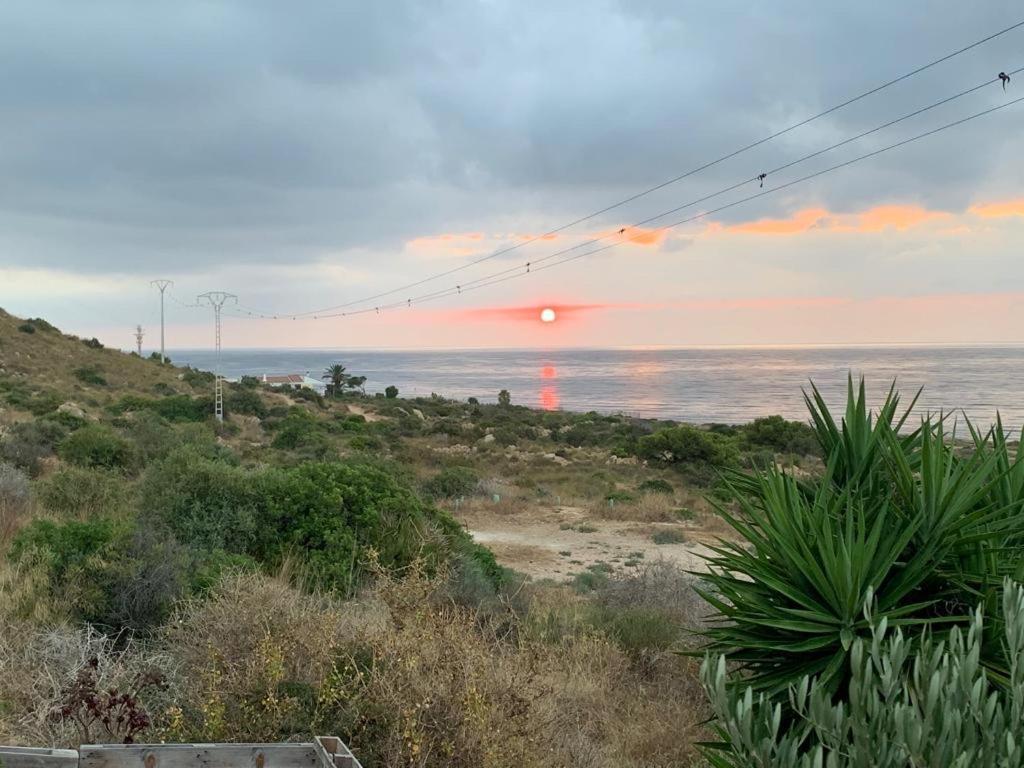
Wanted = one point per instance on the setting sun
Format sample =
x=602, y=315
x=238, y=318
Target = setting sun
x=547, y=315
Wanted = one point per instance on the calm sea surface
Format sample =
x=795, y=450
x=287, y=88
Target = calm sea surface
x=731, y=385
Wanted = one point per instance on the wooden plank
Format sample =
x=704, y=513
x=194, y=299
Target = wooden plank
x=297, y=755
x=31, y=757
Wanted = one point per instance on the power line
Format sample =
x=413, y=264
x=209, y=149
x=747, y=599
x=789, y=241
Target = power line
x=535, y=264
x=662, y=185
x=525, y=269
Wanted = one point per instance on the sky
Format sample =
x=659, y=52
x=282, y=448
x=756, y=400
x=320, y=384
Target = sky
x=312, y=156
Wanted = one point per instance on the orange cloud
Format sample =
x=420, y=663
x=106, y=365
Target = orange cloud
x=639, y=235
x=446, y=244
x=999, y=210
x=877, y=219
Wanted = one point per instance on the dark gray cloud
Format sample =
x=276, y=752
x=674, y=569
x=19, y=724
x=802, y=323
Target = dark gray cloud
x=141, y=135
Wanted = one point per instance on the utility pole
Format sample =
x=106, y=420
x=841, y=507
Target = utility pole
x=138, y=339
x=161, y=286
x=217, y=300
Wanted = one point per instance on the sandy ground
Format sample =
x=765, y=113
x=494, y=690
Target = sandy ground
x=547, y=544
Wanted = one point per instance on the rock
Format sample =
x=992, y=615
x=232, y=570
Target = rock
x=487, y=439
x=542, y=432
x=72, y=410
x=418, y=414
x=559, y=460
x=623, y=460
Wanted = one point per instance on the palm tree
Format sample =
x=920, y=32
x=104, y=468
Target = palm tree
x=337, y=377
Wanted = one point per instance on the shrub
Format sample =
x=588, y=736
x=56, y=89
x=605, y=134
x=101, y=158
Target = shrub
x=452, y=482
x=473, y=401
x=90, y=375
x=668, y=536
x=246, y=401
x=93, y=343
x=687, y=444
x=84, y=493
x=656, y=485
x=174, y=408
x=781, y=436
x=97, y=446
x=28, y=443
x=927, y=527
x=197, y=379
x=42, y=325
x=391, y=392
x=206, y=504
x=27, y=328
x=906, y=705
x=298, y=429
x=504, y=398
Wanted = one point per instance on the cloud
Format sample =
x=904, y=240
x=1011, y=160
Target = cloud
x=876, y=219
x=999, y=210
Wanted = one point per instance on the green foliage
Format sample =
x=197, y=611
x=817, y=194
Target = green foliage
x=687, y=444
x=208, y=505
x=174, y=408
x=391, y=392
x=900, y=513
x=28, y=443
x=97, y=446
x=247, y=401
x=504, y=398
x=90, y=375
x=452, y=482
x=781, y=436
x=27, y=328
x=106, y=573
x=298, y=429
x=86, y=493
x=932, y=705
x=197, y=379
x=93, y=343
x=656, y=485
x=43, y=325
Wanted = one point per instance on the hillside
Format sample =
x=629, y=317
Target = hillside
x=346, y=536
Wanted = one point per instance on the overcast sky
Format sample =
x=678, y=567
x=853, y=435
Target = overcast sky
x=305, y=155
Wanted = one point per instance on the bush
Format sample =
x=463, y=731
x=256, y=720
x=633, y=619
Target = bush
x=93, y=343
x=90, y=375
x=504, y=398
x=206, y=504
x=906, y=705
x=84, y=493
x=298, y=429
x=668, y=536
x=97, y=446
x=452, y=482
x=246, y=401
x=391, y=392
x=105, y=573
x=656, y=485
x=29, y=442
x=687, y=444
x=27, y=328
x=781, y=436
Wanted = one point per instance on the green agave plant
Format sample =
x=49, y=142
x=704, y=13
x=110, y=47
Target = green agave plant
x=930, y=526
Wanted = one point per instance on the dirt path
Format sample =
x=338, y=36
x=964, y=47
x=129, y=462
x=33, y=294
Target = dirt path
x=559, y=543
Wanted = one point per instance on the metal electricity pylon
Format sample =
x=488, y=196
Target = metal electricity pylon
x=217, y=300
x=162, y=286
x=138, y=339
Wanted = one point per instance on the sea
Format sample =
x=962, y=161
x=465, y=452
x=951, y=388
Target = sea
x=729, y=385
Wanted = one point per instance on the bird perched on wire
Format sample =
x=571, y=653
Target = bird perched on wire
x=1005, y=78
x=761, y=177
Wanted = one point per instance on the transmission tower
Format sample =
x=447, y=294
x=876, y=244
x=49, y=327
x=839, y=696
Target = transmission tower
x=162, y=286
x=138, y=339
x=217, y=300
